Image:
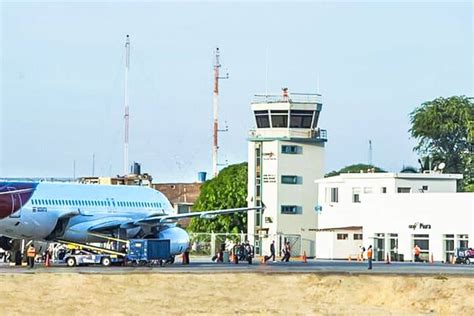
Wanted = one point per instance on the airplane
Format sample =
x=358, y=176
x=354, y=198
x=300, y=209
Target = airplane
x=83, y=213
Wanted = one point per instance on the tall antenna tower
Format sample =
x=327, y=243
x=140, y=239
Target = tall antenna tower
x=126, y=105
x=215, y=103
x=370, y=152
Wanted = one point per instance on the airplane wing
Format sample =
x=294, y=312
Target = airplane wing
x=156, y=220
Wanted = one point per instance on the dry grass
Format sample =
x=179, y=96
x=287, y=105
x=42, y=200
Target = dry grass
x=66, y=294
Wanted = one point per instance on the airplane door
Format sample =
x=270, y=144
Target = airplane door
x=17, y=204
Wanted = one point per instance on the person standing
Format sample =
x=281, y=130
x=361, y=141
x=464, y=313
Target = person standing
x=272, y=251
x=369, y=256
x=31, y=254
x=287, y=252
x=417, y=251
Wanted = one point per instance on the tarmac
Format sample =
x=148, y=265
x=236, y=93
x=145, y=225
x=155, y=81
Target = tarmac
x=206, y=266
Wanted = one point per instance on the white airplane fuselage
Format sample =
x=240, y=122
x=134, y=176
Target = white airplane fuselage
x=68, y=211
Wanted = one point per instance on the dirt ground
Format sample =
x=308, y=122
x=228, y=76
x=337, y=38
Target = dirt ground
x=126, y=294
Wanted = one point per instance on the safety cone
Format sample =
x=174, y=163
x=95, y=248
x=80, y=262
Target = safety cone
x=349, y=259
x=431, y=259
x=46, y=260
x=263, y=260
x=304, y=257
x=387, y=259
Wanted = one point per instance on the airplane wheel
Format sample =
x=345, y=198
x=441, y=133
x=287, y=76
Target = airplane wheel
x=106, y=261
x=71, y=262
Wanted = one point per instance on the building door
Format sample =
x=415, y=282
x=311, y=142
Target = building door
x=423, y=241
x=379, y=247
x=394, y=248
x=448, y=245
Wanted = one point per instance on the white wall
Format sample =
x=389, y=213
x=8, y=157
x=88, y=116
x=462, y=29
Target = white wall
x=329, y=247
x=307, y=165
x=446, y=213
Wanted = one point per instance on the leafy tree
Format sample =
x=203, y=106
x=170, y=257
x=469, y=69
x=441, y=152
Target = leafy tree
x=409, y=169
x=227, y=190
x=444, y=129
x=356, y=168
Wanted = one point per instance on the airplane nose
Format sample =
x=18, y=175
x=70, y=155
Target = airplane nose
x=13, y=195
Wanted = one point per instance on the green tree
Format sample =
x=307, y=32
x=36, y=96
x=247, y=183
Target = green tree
x=409, y=169
x=227, y=190
x=444, y=129
x=356, y=168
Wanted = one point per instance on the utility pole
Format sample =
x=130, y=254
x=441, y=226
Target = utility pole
x=93, y=164
x=126, y=105
x=370, y=152
x=215, y=102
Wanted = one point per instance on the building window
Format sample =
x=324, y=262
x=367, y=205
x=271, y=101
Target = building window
x=424, y=188
x=289, y=179
x=403, y=190
x=383, y=190
x=262, y=119
x=279, y=118
x=301, y=118
x=357, y=236
x=287, y=149
x=463, y=241
x=334, y=195
x=355, y=195
x=367, y=190
x=342, y=236
x=289, y=209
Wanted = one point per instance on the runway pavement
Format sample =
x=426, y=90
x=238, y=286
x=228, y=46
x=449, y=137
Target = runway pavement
x=204, y=265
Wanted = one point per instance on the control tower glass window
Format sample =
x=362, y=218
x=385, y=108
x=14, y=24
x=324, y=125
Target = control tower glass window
x=301, y=118
x=262, y=119
x=280, y=118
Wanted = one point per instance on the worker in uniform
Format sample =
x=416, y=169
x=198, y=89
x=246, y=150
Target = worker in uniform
x=30, y=255
x=417, y=251
x=369, y=256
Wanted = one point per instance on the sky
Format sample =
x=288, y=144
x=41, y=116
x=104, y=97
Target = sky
x=62, y=79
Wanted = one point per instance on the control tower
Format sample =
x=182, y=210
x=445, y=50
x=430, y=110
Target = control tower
x=285, y=156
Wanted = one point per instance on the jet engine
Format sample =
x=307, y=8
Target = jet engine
x=178, y=237
x=6, y=243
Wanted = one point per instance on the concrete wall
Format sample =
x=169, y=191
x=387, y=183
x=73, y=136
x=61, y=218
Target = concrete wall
x=329, y=247
x=446, y=213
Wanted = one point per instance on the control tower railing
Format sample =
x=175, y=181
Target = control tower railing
x=311, y=98
x=313, y=134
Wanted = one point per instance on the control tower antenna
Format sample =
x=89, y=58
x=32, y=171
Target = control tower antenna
x=126, y=105
x=215, y=103
x=370, y=152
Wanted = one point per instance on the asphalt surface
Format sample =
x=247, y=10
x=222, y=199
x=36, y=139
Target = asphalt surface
x=201, y=265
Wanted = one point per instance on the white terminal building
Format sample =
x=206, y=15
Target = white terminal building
x=393, y=212
x=333, y=217
x=285, y=155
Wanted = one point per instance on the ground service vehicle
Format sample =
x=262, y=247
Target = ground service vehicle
x=464, y=255
x=148, y=251
x=83, y=257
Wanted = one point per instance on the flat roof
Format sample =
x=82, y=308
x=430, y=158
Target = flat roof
x=391, y=175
